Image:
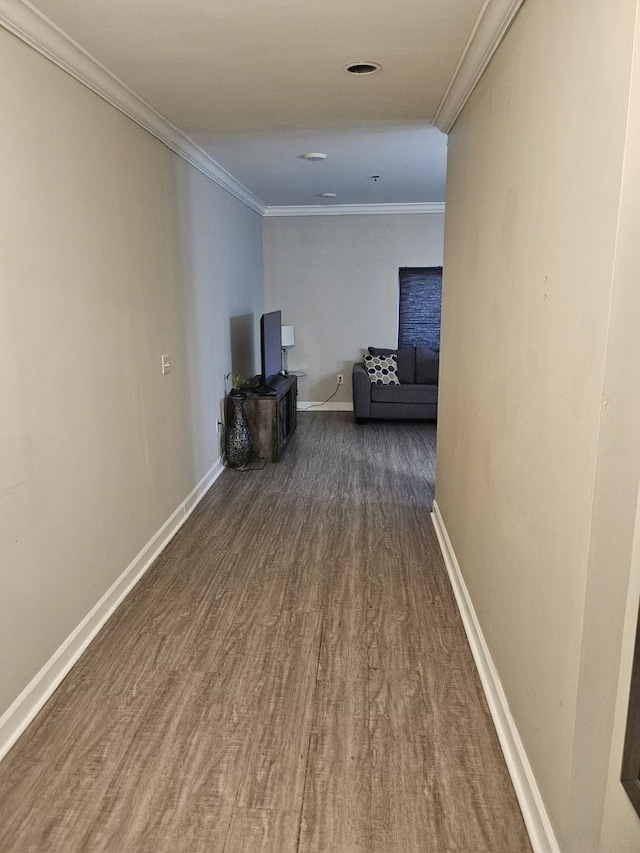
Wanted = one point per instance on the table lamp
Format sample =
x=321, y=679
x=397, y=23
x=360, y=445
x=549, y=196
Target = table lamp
x=288, y=340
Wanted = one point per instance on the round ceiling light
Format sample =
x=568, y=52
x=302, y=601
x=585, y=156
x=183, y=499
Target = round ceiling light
x=361, y=68
x=314, y=156
x=328, y=195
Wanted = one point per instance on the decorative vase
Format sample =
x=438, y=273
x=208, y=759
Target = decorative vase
x=238, y=436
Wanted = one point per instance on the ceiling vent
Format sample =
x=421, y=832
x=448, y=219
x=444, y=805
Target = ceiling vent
x=362, y=68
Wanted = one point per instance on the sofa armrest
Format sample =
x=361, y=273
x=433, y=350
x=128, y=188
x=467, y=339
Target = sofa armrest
x=361, y=392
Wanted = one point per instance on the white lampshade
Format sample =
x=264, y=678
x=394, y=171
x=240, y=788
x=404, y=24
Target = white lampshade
x=288, y=337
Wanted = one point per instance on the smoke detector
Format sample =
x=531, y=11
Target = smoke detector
x=314, y=156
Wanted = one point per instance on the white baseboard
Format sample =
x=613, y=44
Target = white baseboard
x=534, y=813
x=18, y=716
x=324, y=407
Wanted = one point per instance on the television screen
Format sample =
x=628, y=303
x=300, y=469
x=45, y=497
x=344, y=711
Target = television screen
x=271, y=345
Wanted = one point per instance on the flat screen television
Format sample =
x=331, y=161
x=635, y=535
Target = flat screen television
x=270, y=345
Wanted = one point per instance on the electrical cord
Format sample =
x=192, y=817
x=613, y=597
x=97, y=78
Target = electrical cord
x=255, y=467
x=315, y=405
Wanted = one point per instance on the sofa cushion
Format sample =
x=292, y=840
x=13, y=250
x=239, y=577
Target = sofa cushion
x=422, y=394
x=382, y=369
x=427, y=364
x=406, y=362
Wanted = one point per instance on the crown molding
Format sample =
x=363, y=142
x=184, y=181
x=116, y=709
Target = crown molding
x=32, y=27
x=23, y=20
x=492, y=23
x=353, y=209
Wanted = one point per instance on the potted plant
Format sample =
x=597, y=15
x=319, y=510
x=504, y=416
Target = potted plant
x=237, y=381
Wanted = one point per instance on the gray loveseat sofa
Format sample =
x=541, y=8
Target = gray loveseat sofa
x=416, y=398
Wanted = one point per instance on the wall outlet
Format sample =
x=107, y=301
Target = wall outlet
x=166, y=364
x=340, y=378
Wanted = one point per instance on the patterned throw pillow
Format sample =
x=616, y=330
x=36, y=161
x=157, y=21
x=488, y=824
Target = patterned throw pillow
x=382, y=369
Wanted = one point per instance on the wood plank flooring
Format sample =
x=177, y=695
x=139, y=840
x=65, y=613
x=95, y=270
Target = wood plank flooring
x=291, y=676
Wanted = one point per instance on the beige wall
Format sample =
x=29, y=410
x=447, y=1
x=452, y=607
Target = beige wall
x=113, y=251
x=537, y=468
x=621, y=825
x=336, y=280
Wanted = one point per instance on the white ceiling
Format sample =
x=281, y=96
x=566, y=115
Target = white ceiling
x=256, y=83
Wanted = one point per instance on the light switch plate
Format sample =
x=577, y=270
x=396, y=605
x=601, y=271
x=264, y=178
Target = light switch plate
x=166, y=364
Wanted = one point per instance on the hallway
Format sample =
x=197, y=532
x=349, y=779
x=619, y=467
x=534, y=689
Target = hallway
x=290, y=675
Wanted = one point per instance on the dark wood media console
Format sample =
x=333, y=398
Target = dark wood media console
x=273, y=418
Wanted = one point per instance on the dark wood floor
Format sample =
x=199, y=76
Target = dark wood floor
x=291, y=675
